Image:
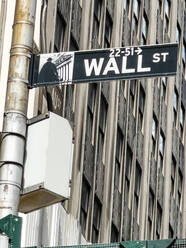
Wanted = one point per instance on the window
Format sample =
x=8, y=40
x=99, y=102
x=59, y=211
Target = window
x=119, y=146
x=103, y=113
x=96, y=220
x=154, y=134
x=133, y=84
x=108, y=30
x=149, y=230
x=178, y=33
x=144, y=29
x=161, y=150
x=128, y=165
x=123, y=88
x=59, y=33
x=90, y=110
x=163, y=87
x=175, y=106
x=136, y=9
x=151, y=204
x=171, y=233
x=158, y=221
x=141, y=106
x=69, y=100
x=183, y=57
x=136, y=6
x=102, y=126
x=173, y=173
x=114, y=234
x=167, y=14
x=84, y=204
x=161, y=143
x=97, y=18
x=180, y=184
x=137, y=189
x=182, y=117
x=126, y=5
x=160, y=6
x=183, y=52
x=73, y=45
x=167, y=8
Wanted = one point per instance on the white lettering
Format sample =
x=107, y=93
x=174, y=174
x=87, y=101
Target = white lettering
x=93, y=66
x=140, y=68
x=124, y=66
x=164, y=56
x=111, y=66
x=156, y=58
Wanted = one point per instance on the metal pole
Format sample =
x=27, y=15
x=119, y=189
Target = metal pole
x=14, y=125
x=4, y=241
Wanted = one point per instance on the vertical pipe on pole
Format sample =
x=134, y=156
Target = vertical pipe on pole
x=12, y=143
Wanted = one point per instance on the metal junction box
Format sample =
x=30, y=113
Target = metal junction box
x=48, y=163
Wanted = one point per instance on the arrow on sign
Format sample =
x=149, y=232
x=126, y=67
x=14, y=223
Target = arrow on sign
x=138, y=50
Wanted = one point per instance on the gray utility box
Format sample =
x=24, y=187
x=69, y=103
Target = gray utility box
x=48, y=163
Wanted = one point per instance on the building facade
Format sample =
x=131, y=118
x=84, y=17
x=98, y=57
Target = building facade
x=129, y=173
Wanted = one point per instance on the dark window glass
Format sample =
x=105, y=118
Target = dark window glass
x=126, y=4
x=128, y=173
x=183, y=53
x=96, y=220
x=163, y=87
x=103, y=113
x=136, y=10
x=167, y=14
x=73, y=45
x=114, y=234
x=128, y=162
x=108, y=30
x=91, y=106
x=178, y=33
x=160, y=5
x=175, y=106
x=182, y=117
x=173, y=172
x=161, y=143
x=137, y=188
x=132, y=94
x=149, y=229
x=84, y=204
x=119, y=146
x=158, y=220
x=171, y=233
x=180, y=184
x=151, y=204
x=161, y=150
x=97, y=18
x=59, y=33
x=141, y=106
x=144, y=29
x=102, y=126
x=154, y=134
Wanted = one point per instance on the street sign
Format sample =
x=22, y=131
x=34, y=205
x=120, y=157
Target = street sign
x=104, y=64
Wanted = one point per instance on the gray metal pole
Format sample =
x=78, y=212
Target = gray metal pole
x=4, y=241
x=14, y=126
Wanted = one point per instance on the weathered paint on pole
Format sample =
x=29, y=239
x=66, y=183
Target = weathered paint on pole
x=14, y=125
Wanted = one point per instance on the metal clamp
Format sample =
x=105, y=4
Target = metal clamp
x=17, y=80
